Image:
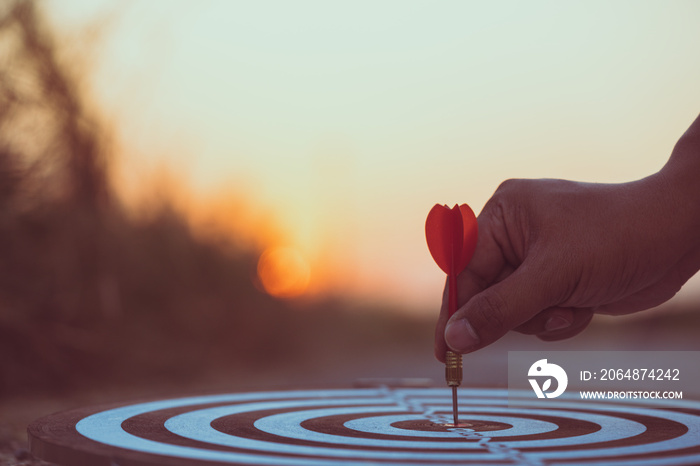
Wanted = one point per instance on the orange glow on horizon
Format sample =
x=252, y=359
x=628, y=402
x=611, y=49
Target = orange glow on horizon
x=232, y=216
x=283, y=272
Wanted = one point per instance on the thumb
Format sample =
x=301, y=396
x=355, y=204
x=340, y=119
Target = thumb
x=489, y=315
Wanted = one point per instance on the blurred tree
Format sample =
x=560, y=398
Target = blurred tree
x=44, y=116
x=90, y=292
x=87, y=289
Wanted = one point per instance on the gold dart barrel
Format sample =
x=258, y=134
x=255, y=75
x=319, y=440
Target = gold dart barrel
x=453, y=369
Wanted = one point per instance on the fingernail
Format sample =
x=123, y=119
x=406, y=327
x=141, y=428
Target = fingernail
x=556, y=323
x=460, y=336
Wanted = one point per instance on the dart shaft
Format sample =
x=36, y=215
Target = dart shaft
x=452, y=294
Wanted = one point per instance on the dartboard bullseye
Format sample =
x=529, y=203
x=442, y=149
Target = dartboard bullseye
x=379, y=426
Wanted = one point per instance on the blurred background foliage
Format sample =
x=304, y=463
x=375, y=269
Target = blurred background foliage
x=92, y=293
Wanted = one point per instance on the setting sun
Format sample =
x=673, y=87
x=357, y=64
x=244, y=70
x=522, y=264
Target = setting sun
x=284, y=272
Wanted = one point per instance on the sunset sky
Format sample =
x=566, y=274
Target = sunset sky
x=331, y=128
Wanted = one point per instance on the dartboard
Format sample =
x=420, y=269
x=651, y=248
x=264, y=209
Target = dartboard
x=383, y=426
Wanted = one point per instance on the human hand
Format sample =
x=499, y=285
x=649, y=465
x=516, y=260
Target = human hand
x=551, y=253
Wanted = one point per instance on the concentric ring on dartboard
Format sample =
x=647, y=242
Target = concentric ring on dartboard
x=386, y=426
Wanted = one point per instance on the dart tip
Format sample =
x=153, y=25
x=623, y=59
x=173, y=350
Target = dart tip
x=455, y=412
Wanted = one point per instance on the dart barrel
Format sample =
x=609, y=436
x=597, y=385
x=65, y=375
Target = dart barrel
x=453, y=369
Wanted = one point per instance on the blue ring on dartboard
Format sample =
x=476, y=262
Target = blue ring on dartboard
x=390, y=427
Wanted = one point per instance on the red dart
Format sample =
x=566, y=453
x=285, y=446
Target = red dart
x=451, y=235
